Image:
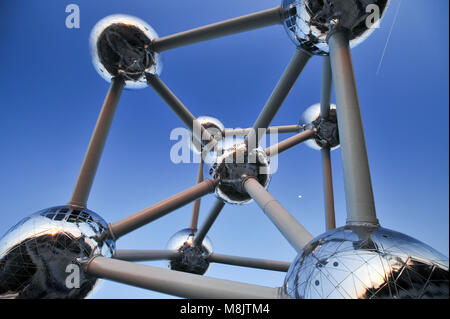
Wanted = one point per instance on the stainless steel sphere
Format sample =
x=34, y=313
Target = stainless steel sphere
x=192, y=259
x=121, y=46
x=327, y=129
x=367, y=263
x=35, y=254
x=309, y=22
x=213, y=126
x=234, y=166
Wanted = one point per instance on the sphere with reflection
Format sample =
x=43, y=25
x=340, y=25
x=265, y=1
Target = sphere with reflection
x=214, y=127
x=193, y=259
x=39, y=253
x=367, y=263
x=327, y=129
x=234, y=166
x=121, y=45
x=309, y=22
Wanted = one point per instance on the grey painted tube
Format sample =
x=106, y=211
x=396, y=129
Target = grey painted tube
x=265, y=264
x=232, y=26
x=130, y=223
x=358, y=185
x=289, y=227
x=94, y=152
x=176, y=283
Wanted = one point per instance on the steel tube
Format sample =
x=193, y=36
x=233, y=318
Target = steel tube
x=130, y=223
x=198, y=131
x=174, y=282
x=250, y=262
x=217, y=208
x=358, y=185
x=94, y=152
x=325, y=103
x=279, y=94
x=145, y=255
x=291, y=229
x=232, y=26
x=330, y=217
x=290, y=142
x=270, y=130
x=327, y=82
x=196, y=207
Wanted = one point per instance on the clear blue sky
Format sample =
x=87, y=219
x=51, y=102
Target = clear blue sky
x=51, y=96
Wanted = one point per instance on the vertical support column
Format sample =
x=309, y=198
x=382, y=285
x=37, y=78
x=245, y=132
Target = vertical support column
x=196, y=207
x=330, y=216
x=358, y=184
x=94, y=152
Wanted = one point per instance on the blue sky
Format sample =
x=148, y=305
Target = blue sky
x=51, y=96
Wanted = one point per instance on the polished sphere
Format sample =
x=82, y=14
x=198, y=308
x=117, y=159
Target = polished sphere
x=121, y=46
x=327, y=129
x=213, y=126
x=193, y=259
x=35, y=254
x=309, y=22
x=234, y=166
x=367, y=263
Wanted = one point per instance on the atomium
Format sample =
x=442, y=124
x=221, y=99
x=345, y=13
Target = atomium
x=36, y=252
x=367, y=263
x=234, y=166
x=121, y=46
x=310, y=22
x=327, y=132
x=214, y=127
x=193, y=259
x=360, y=260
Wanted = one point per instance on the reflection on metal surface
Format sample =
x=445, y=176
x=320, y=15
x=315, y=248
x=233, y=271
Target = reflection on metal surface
x=367, y=263
x=234, y=166
x=213, y=126
x=35, y=253
x=327, y=129
x=121, y=46
x=193, y=259
x=309, y=22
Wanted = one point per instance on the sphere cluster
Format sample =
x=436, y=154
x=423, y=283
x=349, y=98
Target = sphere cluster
x=310, y=22
x=234, y=166
x=367, y=263
x=35, y=254
x=193, y=259
x=121, y=45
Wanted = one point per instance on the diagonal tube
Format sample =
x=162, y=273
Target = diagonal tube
x=196, y=207
x=270, y=130
x=264, y=264
x=217, y=208
x=325, y=102
x=357, y=180
x=199, y=132
x=130, y=223
x=278, y=96
x=94, y=152
x=290, y=142
x=289, y=227
x=176, y=283
x=145, y=255
x=232, y=26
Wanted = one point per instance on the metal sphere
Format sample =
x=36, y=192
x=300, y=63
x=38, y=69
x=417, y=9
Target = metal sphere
x=121, y=46
x=367, y=263
x=213, y=126
x=234, y=166
x=309, y=22
x=36, y=255
x=193, y=259
x=327, y=129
